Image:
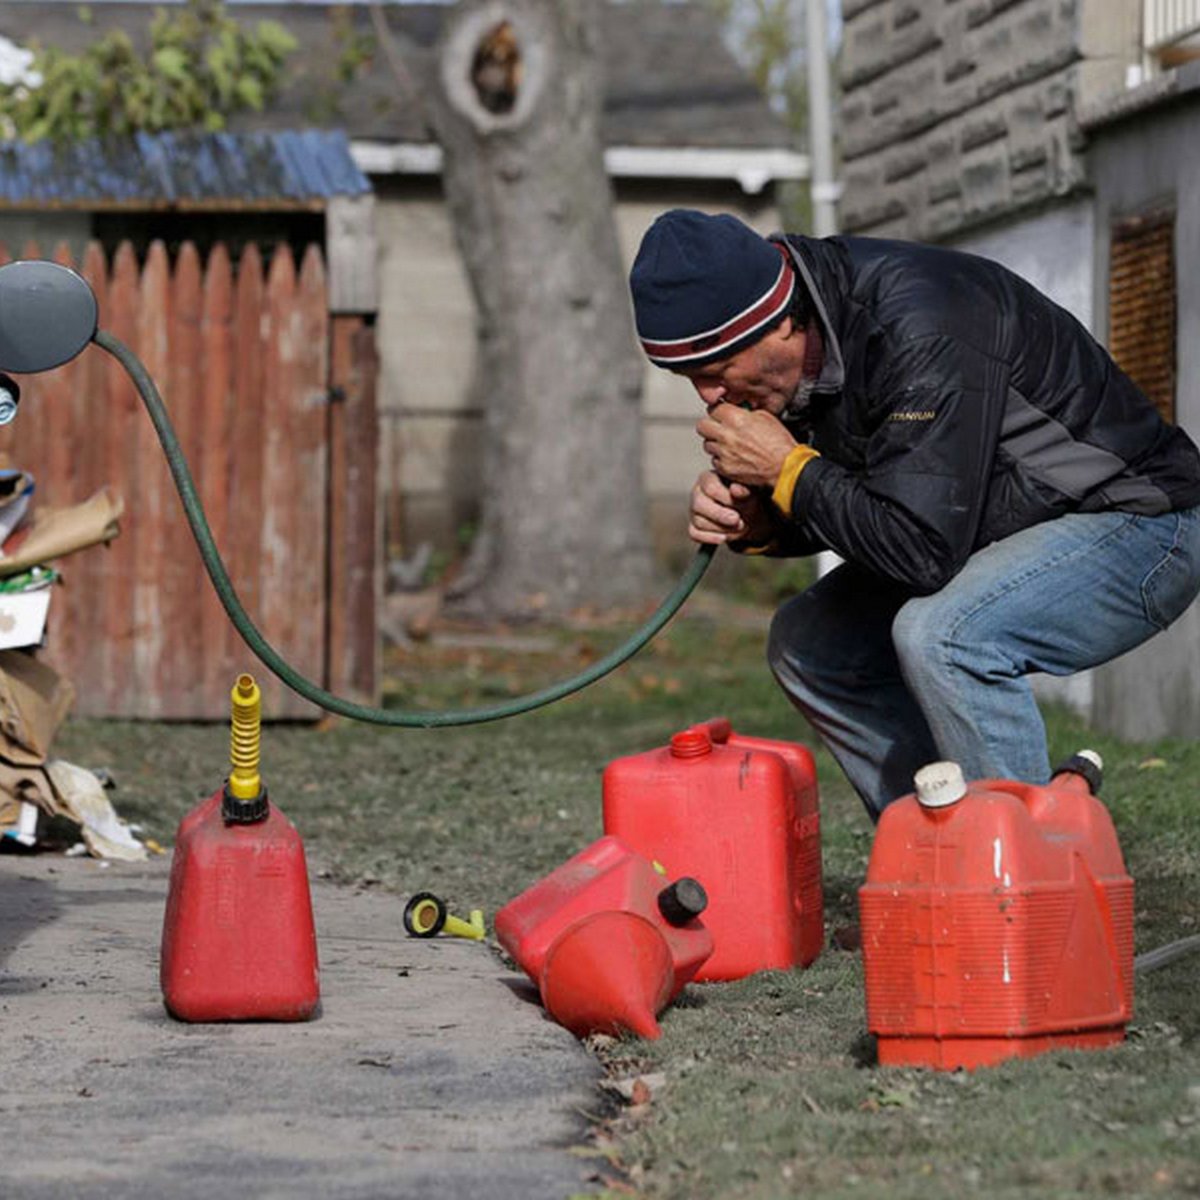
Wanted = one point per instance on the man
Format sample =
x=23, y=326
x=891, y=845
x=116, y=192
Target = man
x=1004, y=499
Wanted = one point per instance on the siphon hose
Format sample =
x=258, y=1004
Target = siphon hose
x=226, y=593
x=1162, y=955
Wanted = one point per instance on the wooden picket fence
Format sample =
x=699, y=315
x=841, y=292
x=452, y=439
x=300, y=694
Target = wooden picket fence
x=273, y=401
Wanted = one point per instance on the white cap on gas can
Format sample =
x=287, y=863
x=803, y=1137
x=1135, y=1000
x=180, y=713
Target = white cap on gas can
x=940, y=784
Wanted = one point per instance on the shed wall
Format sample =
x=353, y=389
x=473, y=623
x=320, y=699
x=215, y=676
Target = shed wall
x=431, y=433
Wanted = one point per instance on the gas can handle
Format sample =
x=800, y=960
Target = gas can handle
x=719, y=729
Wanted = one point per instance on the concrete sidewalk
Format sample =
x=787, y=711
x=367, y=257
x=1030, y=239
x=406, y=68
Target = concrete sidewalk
x=431, y=1072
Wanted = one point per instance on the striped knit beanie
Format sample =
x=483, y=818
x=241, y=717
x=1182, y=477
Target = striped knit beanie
x=705, y=287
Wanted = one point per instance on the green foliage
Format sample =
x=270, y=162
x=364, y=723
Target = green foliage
x=201, y=67
x=353, y=53
x=355, y=49
x=765, y=37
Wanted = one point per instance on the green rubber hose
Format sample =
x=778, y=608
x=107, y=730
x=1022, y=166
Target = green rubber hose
x=305, y=687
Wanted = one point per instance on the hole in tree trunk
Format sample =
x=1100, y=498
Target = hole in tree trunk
x=496, y=69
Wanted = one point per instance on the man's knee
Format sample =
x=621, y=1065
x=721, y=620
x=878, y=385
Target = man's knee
x=934, y=639
x=921, y=632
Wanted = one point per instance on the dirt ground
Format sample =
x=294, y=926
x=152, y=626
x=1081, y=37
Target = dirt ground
x=430, y=1070
x=765, y=1087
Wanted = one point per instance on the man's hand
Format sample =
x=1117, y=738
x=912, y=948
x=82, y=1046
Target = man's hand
x=745, y=447
x=724, y=512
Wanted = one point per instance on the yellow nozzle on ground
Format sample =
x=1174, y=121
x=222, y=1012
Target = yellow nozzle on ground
x=244, y=781
x=473, y=929
x=426, y=916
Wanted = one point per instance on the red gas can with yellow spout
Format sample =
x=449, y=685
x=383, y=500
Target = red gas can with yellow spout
x=607, y=938
x=997, y=920
x=741, y=814
x=239, y=943
x=238, y=940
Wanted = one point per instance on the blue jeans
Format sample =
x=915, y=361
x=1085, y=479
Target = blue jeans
x=891, y=681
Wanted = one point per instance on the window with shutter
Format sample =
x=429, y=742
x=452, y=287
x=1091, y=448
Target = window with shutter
x=1141, y=305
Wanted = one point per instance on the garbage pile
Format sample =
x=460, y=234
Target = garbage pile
x=39, y=793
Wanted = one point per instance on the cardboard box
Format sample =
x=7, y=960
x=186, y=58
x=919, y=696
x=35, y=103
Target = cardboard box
x=55, y=532
x=23, y=618
x=34, y=699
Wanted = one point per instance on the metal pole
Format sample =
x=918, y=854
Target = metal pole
x=825, y=189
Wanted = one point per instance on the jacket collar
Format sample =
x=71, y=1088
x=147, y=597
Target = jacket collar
x=833, y=370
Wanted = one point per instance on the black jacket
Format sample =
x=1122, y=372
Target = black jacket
x=957, y=405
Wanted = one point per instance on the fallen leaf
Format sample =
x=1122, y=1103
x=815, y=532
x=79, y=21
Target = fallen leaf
x=847, y=937
x=636, y=1089
x=896, y=1097
x=618, y=1185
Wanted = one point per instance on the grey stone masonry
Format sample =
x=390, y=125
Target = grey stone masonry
x=957, y=112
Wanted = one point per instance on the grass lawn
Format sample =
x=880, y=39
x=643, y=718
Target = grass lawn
x=768, y=1088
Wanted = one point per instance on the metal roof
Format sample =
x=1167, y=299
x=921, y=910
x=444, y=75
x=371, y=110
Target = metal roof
x=257, y=170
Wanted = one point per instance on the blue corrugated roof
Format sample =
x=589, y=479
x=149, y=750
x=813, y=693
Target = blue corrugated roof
x=293, y=168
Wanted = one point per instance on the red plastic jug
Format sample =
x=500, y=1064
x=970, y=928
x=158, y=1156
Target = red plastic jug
x=997, y=920
x=742, y=815
x=607, y=939
x=238, y=940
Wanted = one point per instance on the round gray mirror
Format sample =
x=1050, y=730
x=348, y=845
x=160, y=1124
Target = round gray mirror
x=47, y=315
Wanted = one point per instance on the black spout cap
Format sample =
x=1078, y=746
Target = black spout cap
x=236, y=811
x=682, y=900
x=1088, y=764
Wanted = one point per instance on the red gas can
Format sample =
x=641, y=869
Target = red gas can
x=997, y=921
x=607, y=939
x=238, y=938
x=742, y=815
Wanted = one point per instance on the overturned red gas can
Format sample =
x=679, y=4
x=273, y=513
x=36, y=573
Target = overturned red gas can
x=742, y=813
x=997, y=920
x=608, y=939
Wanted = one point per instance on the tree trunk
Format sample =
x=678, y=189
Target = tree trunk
x=515, y=104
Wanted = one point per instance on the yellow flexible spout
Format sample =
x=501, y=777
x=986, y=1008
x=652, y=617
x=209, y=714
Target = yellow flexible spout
x=246, y=723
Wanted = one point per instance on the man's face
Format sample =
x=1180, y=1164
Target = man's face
x=764, y=376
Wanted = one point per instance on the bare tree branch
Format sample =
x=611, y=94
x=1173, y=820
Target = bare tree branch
x=396, y=62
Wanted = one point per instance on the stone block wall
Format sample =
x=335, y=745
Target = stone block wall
x=958, y=112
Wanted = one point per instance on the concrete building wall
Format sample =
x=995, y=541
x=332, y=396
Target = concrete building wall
x=431, y=437
x=1051, y=248
x=1139, y=165
x=975, y=124
x=955, y=114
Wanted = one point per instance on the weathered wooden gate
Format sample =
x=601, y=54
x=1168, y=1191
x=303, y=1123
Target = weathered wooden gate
x=273, y=401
